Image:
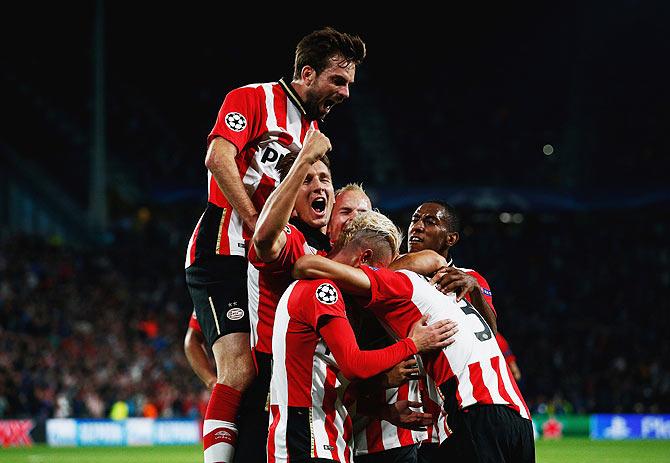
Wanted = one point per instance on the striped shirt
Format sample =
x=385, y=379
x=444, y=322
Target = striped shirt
x=264, y=122
x=474, y=360
x=266, y=282
x=308, y=390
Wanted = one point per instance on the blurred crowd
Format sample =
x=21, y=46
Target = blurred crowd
x=580, y=298
x=84, y=330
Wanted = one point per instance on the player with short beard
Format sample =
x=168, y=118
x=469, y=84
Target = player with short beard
x=256, y=126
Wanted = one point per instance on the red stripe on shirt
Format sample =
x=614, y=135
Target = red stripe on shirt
x=502, y=390
x=373, y=436
x=329, y=398
x=516, y=389
x=280, y=101
x=274, y=412
x=479, y=390
x=404, y=435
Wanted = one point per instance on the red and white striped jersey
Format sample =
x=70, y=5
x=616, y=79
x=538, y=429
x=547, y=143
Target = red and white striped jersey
x=308, y=390
x=379, y=435
x=430, y=394
x=305, y=375
x=265, y=122
x=266, y=282
x=399, y=299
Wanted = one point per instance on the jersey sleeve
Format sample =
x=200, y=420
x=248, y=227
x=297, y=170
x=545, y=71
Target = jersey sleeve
x=293, y=250
x=326, y=302
x=486, y=289
x=193, y=323
x=240, y=118
x=386, y=286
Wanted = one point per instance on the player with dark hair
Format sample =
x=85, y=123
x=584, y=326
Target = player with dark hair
x=256, y=125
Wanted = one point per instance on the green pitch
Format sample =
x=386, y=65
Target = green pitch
x=561, y=451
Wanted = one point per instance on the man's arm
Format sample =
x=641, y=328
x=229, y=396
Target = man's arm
x=425, y=262
x=349, y=279
x=356, y=364
x=196, y=354
x=220, y=161
x=268, y=239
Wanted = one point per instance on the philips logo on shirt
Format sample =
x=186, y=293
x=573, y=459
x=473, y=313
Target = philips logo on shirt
x=486, y=291
x=373, y=268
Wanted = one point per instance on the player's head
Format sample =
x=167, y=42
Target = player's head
x=369, y=238
x=349, y=201
x=325, y=66
x=314, y=202
x=434, y=225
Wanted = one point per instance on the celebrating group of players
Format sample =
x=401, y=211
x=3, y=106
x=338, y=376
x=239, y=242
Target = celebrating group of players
x=288, y=278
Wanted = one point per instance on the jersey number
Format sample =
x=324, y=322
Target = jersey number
x=468, y=309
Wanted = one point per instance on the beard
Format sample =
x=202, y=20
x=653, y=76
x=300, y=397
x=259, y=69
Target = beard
x=311, y=105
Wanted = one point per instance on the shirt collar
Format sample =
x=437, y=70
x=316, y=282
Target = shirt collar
x=450, y=263
x=314, y=237
x=293, y=95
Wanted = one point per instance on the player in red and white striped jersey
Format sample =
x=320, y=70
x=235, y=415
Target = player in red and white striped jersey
x=315, y=353
x=481, y=398
x=377, y=439
x=256, y=126
x=306, y=193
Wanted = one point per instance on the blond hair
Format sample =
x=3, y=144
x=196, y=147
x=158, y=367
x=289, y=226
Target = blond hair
x=357, y=187
x=372, y=229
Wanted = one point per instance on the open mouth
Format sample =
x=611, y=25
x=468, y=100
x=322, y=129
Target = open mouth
x=415, y=239
x=328, y=104
x=319, y=205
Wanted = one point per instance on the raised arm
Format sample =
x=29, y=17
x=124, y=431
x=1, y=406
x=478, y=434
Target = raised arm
x=220, y=161
x=268, y=239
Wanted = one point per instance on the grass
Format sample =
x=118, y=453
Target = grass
x=571, y=450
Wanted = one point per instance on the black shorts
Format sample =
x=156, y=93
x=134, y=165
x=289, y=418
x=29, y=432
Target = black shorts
x=218, y=287
x=489, y=433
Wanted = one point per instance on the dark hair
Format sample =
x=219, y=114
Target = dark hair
x=285, y=163
x=316, y=48
x=453, y=219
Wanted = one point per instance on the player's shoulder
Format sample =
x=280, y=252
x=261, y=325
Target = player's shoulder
x=322, y=290
x=250, y=91
x=472, y=272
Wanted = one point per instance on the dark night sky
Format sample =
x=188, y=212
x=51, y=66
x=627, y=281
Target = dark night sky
x=474, y=92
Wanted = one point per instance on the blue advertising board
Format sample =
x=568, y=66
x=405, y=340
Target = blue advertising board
x=133, y=431
x=620, y=427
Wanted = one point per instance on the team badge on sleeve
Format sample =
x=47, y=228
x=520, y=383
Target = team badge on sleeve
x=326, y=294
x=236, y=122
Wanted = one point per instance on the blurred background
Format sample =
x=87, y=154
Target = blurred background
x=547, y=127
